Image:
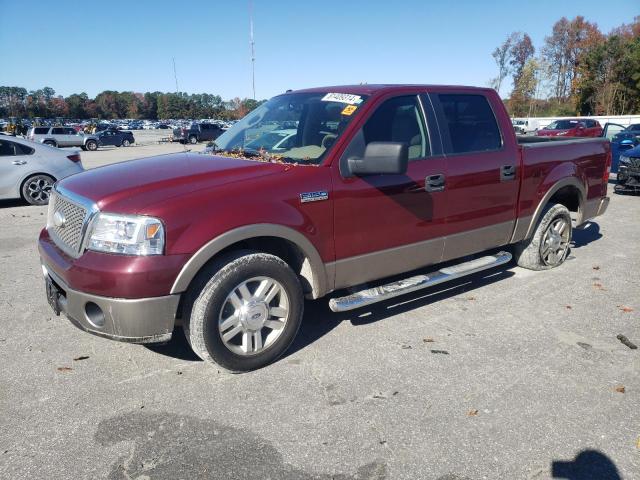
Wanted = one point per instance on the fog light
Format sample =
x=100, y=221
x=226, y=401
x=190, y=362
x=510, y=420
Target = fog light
x=94, y=314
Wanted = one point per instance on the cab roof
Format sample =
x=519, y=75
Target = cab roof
x=370, y=89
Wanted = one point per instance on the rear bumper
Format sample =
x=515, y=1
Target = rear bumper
x=143, y=320
x=594, y=208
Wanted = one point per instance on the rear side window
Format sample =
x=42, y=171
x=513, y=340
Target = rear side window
x=41, y=130
x=23, y=149
x=469, y=123
x=57, y=131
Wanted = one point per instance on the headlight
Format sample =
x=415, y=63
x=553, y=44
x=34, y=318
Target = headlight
x=624, y=159
x=126, y=234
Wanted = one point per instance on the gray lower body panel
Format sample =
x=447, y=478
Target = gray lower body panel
x=144, y=320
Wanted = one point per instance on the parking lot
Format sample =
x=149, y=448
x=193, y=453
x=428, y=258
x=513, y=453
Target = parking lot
x=509, y=374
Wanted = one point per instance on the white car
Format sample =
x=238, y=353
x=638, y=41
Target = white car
x=28, y=170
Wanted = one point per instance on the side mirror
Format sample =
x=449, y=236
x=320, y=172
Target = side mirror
x=390, y=158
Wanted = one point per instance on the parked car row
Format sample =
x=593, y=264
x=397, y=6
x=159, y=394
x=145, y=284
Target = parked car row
x=69, y=137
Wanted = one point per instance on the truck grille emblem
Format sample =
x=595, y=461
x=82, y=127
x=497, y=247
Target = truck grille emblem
x=59, y=219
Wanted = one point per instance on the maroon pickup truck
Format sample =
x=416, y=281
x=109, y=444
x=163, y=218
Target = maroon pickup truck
x=361, y=183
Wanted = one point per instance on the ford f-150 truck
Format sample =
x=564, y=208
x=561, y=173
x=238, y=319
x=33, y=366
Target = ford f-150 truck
x=378, y=181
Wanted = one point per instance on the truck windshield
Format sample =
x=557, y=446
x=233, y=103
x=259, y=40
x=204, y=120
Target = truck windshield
x=294, y=127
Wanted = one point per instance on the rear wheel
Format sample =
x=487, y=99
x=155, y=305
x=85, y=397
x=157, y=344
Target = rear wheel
x=126, y=143
x=91, y=145
x=549, y=245
x=51, y=143
x=244, y=311
x=37, y=189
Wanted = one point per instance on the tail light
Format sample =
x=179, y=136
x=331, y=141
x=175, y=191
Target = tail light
x=607, y=166
x=75, y=158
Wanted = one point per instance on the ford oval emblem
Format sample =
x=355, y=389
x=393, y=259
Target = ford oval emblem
x=59, y=219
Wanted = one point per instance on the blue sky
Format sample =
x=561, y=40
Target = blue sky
x=90, y=46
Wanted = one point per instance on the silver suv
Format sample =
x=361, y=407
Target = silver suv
x=62, y=137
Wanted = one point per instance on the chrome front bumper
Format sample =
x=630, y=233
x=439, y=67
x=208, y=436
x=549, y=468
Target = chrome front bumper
x=144, y=320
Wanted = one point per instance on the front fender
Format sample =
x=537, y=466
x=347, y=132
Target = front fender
x=319, y=279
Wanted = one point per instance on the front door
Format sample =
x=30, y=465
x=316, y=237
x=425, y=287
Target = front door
x=482, y=174
x=387, y=224
x=13, y=164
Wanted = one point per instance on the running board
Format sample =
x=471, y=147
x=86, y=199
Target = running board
x=395, y=289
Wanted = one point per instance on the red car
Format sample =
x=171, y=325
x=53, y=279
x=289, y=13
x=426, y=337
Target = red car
x=577, y=127
x=378, y=181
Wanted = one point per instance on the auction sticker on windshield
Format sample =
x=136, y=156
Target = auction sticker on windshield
x=349, y=109
x=342, y=98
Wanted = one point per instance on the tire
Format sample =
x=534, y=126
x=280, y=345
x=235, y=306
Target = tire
x=36, y=189
x=126, y=143
x=193, y=140
x=91, y=145
x=248, y=342
x=550, y=243
x=51, y=143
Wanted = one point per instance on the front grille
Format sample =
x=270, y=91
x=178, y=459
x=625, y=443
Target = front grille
x=67, y=236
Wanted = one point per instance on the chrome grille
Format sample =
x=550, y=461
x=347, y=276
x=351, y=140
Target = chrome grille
x=69, y=235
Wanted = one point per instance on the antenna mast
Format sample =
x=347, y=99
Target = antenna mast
x=253, y=53
x=175, y=75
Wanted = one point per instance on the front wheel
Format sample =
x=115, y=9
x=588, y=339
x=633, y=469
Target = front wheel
x=549, y=245
x=244, y=311
x=193, y=140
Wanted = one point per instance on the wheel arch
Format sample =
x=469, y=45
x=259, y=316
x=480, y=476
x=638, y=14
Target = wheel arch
x=284, y=242
x=569, y=192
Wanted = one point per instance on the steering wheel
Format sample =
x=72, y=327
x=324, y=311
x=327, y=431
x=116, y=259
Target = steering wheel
x=327, y=138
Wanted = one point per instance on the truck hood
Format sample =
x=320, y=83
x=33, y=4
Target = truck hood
x=128, y=187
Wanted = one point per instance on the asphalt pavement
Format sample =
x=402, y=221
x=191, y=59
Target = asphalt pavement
x=508, y=374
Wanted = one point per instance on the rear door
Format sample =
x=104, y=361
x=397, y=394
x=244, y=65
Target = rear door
x=482, y=173
x=58, y=134
x=388, y=224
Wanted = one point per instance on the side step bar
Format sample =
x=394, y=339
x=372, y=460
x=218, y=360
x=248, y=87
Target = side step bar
x=395, y=289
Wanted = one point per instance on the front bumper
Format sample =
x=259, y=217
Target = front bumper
x=143, y=320
x=628, y=178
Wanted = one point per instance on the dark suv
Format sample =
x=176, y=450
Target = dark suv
x=197, y=132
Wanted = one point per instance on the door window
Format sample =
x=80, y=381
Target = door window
x=396, y=120
x=6, y=149
x=469, y=124
x=57, y=131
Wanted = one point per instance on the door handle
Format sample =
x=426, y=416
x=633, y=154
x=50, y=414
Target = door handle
x=507, y=172
x=434, y=183
x=19, y=162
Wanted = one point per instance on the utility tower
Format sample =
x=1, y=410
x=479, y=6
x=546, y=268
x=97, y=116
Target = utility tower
x=253, y=53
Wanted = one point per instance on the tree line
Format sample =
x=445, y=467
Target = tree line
x=18, y=102
x=578, y=70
